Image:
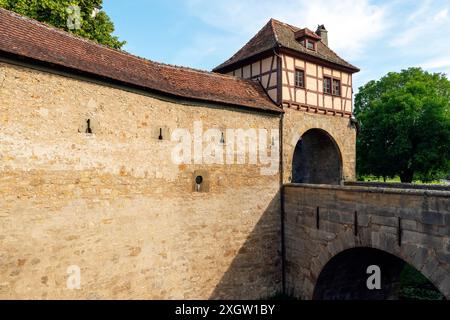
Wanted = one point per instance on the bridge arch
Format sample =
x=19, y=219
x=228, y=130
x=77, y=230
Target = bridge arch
x=321, y=221
x=317, y=159
x=344, y=276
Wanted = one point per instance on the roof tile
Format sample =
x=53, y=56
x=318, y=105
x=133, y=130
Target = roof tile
x=28, y=38
x=277, y=34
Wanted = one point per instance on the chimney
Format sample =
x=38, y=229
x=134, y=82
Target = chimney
x=323, y=33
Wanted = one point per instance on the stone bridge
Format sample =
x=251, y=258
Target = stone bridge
x=333, y=233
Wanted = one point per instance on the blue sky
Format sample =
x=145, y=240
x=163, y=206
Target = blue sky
x=377, y=36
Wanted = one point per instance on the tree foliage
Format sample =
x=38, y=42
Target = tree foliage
x=414, y=286
x=405, y=126
x=55, y=12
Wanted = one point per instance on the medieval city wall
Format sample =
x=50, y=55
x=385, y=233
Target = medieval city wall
x=114, y=204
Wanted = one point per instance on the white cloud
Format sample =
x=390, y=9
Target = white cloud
x=202, y=46
x=436, y=63
x=425, y=25
x=441, y=15
x=377, y=35
x=422, y=9
x=352, y=24
x=409, y=36
x=421, y=38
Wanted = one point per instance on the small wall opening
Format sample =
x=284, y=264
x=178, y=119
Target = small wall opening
x=345, y=277
x=161, y=133
x=317, y=159
x=200, y=181
x=88, y=126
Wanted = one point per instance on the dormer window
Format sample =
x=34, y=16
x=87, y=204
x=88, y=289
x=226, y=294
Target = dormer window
x=310, y=45
x=307, y=38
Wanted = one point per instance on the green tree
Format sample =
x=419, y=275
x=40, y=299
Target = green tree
x=57, y=12
x=405, y=126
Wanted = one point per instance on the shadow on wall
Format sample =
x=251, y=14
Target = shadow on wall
x=255, y=272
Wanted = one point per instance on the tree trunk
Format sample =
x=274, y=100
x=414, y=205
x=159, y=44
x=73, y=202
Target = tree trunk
x=407, y=176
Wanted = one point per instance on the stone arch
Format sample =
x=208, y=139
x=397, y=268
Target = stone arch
x=317, y=159
x=421, y=259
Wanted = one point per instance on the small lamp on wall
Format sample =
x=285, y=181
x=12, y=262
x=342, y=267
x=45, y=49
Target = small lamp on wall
x=88, y=126
x=354, y=123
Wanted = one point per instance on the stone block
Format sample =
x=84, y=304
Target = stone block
x=432, y=217
x=447, y=220
x=384, y=220
x=321, y=235
x=444, y=231
x=417, y=255
x=410, y=225
x=335, y=247
x=422, y=239
x=430, y=267
x=364, y=219
x=444, y=257
x=444, y=286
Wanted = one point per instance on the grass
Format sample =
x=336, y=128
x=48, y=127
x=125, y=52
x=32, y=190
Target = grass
x=397, y=180
x=414, y=286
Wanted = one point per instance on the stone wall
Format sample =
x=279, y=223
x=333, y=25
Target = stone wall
x=320, y=223
x=114, y=204
x=296, y=123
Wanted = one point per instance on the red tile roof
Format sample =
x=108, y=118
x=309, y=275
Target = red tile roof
x=24, y=37
x=305, y=32
x=277, y=34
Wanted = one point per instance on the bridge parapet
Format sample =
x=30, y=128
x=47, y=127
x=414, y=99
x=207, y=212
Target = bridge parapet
x=322, y=221
x=395, y=185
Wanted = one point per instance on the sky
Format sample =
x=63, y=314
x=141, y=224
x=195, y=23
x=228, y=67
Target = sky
x=376, y=36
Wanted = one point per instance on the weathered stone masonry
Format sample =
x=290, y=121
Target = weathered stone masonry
x=424, y=227
x=114, y=204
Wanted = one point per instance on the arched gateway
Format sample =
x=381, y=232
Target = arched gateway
x=317, y=159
